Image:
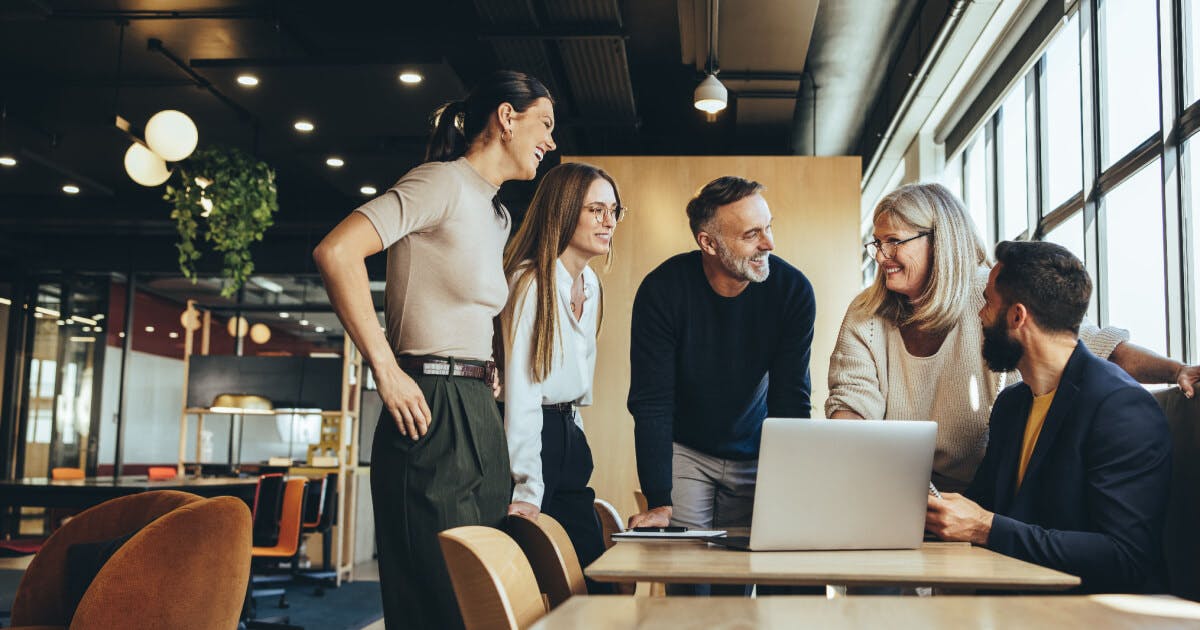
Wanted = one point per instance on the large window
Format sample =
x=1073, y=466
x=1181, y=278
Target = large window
x=1128, y=76
x=1064, y=116
x=1014, y=207
x=1106, y=59
x=975, y=184
x=1134, y=277
x=1191, y=57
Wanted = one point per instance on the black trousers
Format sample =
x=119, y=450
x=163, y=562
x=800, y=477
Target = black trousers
x=456, y=474
x=566, y=469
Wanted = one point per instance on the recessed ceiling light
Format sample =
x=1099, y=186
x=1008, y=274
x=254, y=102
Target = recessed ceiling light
x=248, y=80
x=149, y=329
x=304, y=322
x=8, y=160
x=285, y=315
x=173, y=335
x=335, y=162
x=303, y=125
x=367, y=190
x=320, y=329
x=71, y=189
x=121, y=334
x=411, y=78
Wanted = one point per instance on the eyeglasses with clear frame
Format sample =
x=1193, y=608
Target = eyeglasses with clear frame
x=888, y=248
x=599, y=211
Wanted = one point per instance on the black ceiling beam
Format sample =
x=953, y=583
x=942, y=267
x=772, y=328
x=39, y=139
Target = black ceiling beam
x=545, y=35
x=304, y=62
x=584, y=121
x=764, y=94
x=727, y=75
x=156, y=45
x=213, y=14
x=86, y=183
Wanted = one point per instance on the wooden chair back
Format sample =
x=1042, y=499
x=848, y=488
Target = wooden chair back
x=610, y=521
x=492, y=579
x=551, y=554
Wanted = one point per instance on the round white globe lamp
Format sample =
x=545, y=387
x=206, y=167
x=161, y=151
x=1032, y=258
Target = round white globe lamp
x=144, y=166
x=172, y=135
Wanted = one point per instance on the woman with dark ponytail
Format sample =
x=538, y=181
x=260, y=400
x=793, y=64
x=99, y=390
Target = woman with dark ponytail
x=439, y=459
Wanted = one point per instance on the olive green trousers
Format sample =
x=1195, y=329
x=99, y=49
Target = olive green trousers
x=456, y=474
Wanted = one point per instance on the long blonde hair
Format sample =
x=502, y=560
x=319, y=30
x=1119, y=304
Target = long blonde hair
x=533, y=253
x=957, y=255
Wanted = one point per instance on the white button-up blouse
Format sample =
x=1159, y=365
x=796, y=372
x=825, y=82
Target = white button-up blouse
x=569, y=380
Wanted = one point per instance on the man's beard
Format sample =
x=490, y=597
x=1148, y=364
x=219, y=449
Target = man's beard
x=999, y=351
x=741, y=266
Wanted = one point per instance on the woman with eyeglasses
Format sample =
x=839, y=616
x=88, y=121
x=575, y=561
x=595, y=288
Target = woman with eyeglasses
x=910, y=344
x=550, y=325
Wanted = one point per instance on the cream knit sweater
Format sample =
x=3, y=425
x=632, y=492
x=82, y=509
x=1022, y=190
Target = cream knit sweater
x=872, y=374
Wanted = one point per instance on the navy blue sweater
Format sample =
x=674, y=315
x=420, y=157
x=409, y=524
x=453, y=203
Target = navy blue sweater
x=706, y=370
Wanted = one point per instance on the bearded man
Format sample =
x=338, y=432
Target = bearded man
x=721, y=338
x=1078, y=465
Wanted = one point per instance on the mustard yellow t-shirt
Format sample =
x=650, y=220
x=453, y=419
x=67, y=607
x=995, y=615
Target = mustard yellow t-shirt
x=1033, y=428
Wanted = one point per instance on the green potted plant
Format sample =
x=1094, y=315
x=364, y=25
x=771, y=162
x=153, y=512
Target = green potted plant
x=227, y=198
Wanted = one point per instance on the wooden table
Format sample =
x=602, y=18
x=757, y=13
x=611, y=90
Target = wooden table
x=953, y=565
x=948, y=612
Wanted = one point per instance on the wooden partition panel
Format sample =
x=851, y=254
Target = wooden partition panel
x=815, y=203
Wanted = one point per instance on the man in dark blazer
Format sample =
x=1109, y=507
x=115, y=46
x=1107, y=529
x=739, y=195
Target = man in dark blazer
x=1077, y=469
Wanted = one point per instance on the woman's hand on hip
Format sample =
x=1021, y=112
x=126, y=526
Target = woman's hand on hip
x=404, y=399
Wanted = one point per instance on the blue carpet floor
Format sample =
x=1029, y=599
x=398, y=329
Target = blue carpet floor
x=350, y=607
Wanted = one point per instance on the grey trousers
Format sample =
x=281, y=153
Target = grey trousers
x=709, y=492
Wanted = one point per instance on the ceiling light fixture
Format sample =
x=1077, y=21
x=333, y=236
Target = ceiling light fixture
x=171, y=134
x=248, y=80
x=368, y=190
x=304, y=322
x=145, y=166
x=711, y=96
x=285, y=315
x=320, y=329
x=303, y=125
x=7, y=155
x=70, y=189
x=335, y=162
x=411, y=78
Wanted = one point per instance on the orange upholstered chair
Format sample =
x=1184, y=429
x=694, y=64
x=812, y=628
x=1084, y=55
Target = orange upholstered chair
x=185, y=566
x=161, y=473
x=58, y=474
x=290, y=520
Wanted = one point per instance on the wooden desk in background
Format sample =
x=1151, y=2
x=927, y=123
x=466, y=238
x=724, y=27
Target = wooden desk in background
x=84, y=493
x=950, y=565
x=901, y=613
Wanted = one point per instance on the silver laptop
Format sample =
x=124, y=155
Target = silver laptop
x=840, y=484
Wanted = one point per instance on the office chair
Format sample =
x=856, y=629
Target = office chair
x=286, y=547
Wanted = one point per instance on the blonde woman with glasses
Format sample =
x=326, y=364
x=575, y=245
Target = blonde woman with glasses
x=910, y=344
x=550, y=325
